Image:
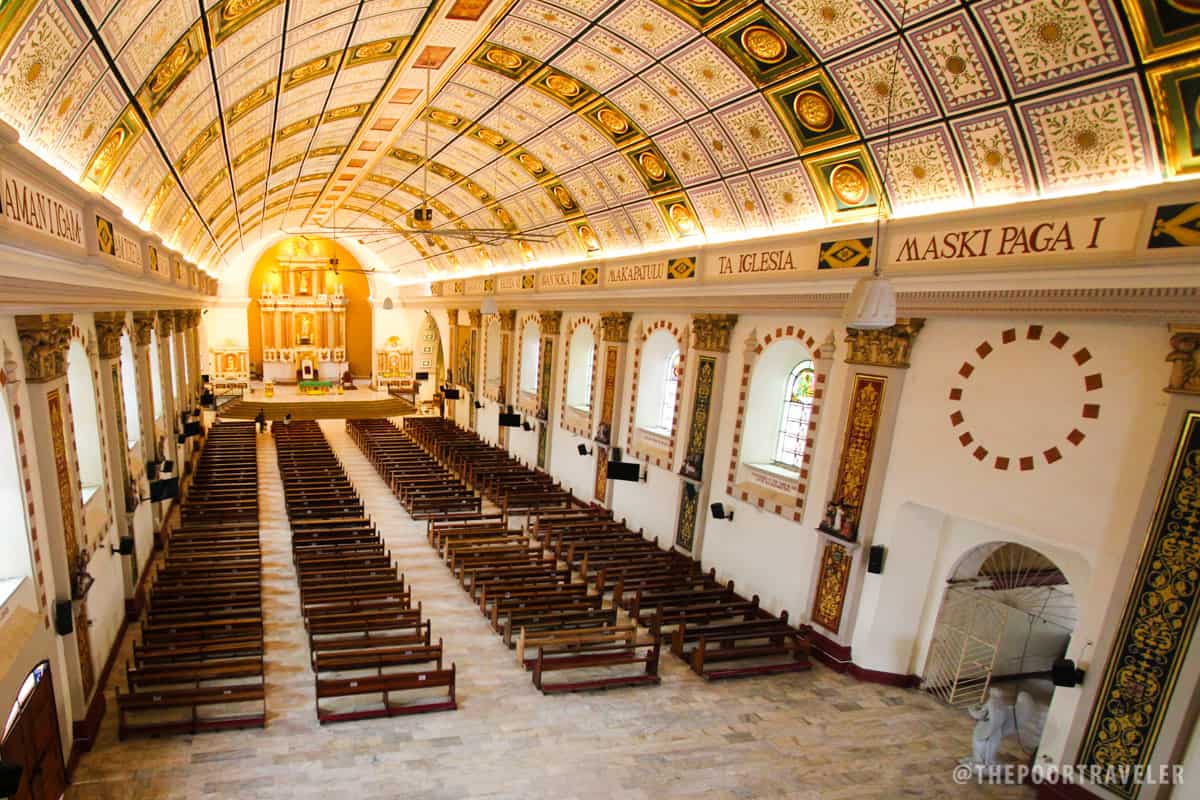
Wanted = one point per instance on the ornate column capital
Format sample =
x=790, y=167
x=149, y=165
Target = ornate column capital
x=109, y=326
x=143, y=324
x=614, y=325
x=885, y=347
x=551, y=323
x=713, y=331
x=44, y=340
x=164, y=323
x=475, y=317
x=508, y=319
x=452, y=316
x=1184, y=359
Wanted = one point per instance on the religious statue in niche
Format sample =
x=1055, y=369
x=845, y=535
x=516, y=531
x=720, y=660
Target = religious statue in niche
x=303, y=283
x=305, y=330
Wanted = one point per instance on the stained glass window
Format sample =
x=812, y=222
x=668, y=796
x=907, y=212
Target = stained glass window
x=794, y=419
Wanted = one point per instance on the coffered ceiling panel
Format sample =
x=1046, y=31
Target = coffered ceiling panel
x=605, y=125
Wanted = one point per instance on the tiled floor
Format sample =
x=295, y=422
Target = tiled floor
x=811, y=735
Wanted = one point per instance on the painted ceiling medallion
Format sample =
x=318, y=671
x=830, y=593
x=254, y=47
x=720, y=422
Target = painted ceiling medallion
x=564, y=198
x=849, y=184
x=530, y=163
x=491, y=137
x=444, y=118
x=562, y=85
x=170, y=67
x=682, y=218
x=613, y=121
x=814, y=111
x=764, y=44
x=588, y=237
x=653, y=166
x=505, y=59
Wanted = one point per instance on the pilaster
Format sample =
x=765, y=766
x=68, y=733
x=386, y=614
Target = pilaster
x=550, y=328
x=614, y=345
x=109, y=327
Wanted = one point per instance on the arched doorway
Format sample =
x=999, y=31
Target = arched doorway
x=310, y=301
x=31, y=739
x=1008, y=611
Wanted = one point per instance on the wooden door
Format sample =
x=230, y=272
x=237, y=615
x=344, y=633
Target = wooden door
x=35, y=744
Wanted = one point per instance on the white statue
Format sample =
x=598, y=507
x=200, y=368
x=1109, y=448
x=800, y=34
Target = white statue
x=995, y=720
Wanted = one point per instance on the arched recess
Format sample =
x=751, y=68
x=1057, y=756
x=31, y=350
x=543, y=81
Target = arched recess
x=530, y=347
x=579, y=382
x=492, y=358
x=659, y=365
x=16, y=560
x=429, y=356
x=349, y=275
x=767, y=417
x=85, y=418
x=1007, y=610
x=31, y=737
x=132, y=405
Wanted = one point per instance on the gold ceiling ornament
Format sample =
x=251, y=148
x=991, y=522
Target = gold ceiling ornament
x=563, y=85
x=170, y=67
x=1184, y=359
x=764, y=44
x=814, y=111
x=505, y=59
x=109, y=327
x=44, y=341
x=530, y=163
x=614, y=326
x=445, y=118
x=849, y=184
x=682, y=219
x=652, y=165
x=106, y=156
x=613, y=121
x=588, y=237
x=491, y=137
x=563, y=197
x=713, y=331
x=884, y=347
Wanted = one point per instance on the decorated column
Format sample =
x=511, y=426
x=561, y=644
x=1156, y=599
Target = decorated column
x=164, y=326
x=44, y=341
x=551, y=327
x=194, y=353
x=1136, y=708
x=143, y=325
x=452, y=346
x=109, y=327
x=507, y=392
x=878, y=361
x=614, y=342
x=472, y=377
x=710, y=342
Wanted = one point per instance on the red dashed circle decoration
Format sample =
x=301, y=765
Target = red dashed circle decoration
x=1091, y=382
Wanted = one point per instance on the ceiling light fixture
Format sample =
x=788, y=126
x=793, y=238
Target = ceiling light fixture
x=489, y=306
x=872, y=303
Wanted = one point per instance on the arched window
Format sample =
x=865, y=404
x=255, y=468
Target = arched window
x=581, y=363
x=15, y=561
x=86, y=422
x=133, y=426
x=795, y=415
x=658, y=383
x=156, y=391
x=174, y=372
x=531, y=344
x=670, y=391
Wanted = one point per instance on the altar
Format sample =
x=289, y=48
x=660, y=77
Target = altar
x=316, y=387
x=303, y=315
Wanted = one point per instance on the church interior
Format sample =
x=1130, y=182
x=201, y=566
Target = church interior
x=600, y=398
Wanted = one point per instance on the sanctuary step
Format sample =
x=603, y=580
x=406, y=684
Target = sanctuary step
x=340, y=408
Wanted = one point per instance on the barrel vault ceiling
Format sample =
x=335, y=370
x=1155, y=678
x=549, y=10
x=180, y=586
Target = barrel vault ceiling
x=614, y=125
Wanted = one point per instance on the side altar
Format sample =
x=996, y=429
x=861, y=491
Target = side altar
x=303, y=311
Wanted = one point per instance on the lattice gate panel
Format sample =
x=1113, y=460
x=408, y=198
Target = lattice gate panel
x=962, y=654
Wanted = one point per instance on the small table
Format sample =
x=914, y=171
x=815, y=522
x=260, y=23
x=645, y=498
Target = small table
x=316, y=387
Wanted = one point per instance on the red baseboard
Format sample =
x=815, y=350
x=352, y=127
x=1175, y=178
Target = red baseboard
x=1064, y=791
x=838, y=658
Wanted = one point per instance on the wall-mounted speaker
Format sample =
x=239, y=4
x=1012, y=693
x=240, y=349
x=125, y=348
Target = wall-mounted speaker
x=875, y=557
x=64, y=618
x=125, y=545
x=10, y=778
x=1063, y=672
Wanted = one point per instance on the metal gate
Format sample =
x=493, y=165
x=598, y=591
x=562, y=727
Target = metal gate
x=966, y=639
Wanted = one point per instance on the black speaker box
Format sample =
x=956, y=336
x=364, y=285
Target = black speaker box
x=125, y=545
x=10, y=778
x=1063, y=672
x=875, y=559
x=64, y=618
